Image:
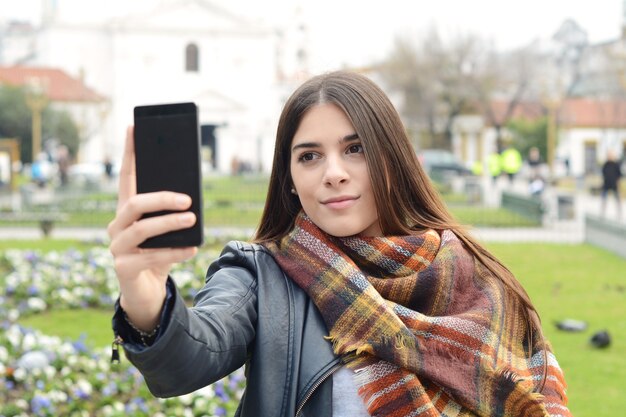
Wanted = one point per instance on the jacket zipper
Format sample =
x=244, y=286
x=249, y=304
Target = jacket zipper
x=115, y=349
x=319, y=382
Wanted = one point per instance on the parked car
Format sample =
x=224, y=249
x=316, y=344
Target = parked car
x=441, y=164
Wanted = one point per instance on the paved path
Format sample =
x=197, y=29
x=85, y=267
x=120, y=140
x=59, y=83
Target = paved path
x=561, y=232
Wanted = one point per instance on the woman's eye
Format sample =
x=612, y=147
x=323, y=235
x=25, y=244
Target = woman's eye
x=358, y=148
x=307, y=156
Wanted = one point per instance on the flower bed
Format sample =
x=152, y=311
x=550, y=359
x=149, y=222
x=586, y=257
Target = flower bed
x=42, y=375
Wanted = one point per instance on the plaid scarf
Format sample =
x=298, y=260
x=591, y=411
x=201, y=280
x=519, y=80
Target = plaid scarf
x=422, y=325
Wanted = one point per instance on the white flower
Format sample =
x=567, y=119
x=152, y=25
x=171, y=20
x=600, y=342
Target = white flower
x=29, y=341
x=107, y=410
x=50, y=372
x=13, y=315
x=206, y=392
x=186, y=399
x=84, y=386
x=183, y=278
x=201, y=403
x=4, y=354
x=19, y=374
x=57, y=396
x=64, y=294
x=66, y=349
x=37, y=304
x=21, y=403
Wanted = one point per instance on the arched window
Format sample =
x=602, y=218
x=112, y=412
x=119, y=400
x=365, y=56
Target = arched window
x=192, y=58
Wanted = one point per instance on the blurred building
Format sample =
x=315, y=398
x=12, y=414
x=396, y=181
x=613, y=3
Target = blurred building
x=234, y=68
x=63, y=92
x=588, y=128
x=579, y=86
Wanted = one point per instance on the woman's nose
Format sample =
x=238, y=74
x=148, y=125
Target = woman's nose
x=336, y=172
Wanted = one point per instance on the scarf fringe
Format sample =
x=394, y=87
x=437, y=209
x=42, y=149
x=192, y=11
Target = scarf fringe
x=424, y=342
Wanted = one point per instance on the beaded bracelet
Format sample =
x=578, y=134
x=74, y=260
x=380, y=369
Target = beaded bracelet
x=146, y=337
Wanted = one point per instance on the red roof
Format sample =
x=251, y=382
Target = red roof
x=56, y=84
x=572, y=112
x=586, y=112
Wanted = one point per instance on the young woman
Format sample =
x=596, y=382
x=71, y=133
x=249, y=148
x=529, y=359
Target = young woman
x=361, y=296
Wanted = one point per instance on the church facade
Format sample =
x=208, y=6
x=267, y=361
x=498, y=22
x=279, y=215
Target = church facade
x=173, y=51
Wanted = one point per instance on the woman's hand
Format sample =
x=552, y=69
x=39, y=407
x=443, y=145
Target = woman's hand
x=142, y=273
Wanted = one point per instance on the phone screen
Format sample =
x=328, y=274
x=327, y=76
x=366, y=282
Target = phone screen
x=167, y=158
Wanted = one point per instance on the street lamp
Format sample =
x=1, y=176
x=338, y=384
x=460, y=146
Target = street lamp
x=552, y=106
x=36, y=101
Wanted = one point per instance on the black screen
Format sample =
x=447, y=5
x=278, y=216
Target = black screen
x=167, y=156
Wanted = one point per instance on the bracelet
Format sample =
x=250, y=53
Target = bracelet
x=146, y=337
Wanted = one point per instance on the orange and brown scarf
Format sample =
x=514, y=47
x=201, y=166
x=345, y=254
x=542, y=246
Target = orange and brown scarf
x=427, y=330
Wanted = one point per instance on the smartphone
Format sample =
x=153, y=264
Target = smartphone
x=167, y=158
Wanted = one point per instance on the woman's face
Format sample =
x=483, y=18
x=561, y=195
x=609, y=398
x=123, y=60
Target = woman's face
x=330, y=175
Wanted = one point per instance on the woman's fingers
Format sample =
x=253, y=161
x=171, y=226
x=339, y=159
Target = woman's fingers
x=128, y=239
x=139, y=204
x=127, y=182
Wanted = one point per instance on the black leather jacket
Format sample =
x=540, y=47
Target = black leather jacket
x=249, y=312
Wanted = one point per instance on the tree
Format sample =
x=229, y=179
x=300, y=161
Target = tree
x=436, y=80
x=506, y=81
x=441, y=80
x=15, y=119
x=529, y=133
x=16, y=122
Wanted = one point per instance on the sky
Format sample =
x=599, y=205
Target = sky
x=356, y=32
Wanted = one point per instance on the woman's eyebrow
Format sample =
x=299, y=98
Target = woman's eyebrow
x=351, y=137
x=308, y=145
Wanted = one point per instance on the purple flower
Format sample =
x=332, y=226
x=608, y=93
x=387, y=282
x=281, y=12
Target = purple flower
x=219, y=391
x=79, y=345
x=31, y=256
x=219, y=411
x=33, y=290
x=109, y=390
x=79, y=393
x=39, y=403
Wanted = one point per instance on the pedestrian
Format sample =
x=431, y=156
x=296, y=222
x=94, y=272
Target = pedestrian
x=360, y=295
x=63, y=164
x=534, y=163
x=611, y=174
x=108, y=168
x=494, y=166
x=511, y=161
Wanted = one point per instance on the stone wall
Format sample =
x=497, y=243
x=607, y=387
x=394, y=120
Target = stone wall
x=606, y=234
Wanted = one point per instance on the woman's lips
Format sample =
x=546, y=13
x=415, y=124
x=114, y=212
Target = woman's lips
x=340, y=203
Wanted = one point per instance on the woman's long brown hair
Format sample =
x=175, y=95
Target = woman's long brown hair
x=402, y=189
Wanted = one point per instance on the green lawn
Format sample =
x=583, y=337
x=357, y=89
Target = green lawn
x=238, y=202
x=93, y=325
x=585, y=283
x=564, y=281
x=45, y=244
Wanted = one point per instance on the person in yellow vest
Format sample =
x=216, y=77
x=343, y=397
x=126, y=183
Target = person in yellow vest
x=494, y=165
x=511, y=161
x=477, y=168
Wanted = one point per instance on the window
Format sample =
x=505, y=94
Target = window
x=191, y=58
